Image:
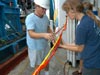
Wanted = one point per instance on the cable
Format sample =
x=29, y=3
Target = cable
x=67, y=67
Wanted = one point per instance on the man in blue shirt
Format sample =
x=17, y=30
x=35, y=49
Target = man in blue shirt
x=38, y=33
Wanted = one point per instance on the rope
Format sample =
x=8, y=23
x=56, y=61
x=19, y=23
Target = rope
x=51, y=52
x=67, y=67
x=47, y=58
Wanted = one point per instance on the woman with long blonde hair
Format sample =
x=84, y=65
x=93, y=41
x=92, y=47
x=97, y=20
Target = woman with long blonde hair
x=87, y=36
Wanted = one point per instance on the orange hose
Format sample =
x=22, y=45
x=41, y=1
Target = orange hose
x=51, y=52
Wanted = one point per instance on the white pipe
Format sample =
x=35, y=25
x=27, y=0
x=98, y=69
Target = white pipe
x=99, y=4
x=61, y=13
x=70, y=38
x=73, y=39
x=51, y=25
x=69, y=34
x=92, y=1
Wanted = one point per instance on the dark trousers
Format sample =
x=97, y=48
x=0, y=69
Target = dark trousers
x=90, y=71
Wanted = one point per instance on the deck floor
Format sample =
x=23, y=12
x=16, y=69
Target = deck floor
x=56, y=66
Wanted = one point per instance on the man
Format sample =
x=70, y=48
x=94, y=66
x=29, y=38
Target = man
x=38, y=29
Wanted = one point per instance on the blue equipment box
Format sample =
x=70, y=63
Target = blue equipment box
x=11, y=3
x=12, y=37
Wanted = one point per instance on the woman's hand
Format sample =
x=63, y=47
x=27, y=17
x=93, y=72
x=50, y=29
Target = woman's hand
x=60, y=46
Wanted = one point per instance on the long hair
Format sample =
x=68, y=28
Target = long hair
x=87, y=5
x=79, y=7
x=67, y=6
x=90, y=14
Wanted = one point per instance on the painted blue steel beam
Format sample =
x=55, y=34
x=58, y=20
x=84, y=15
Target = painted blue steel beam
x=52, y=7
x=9, y=17
x=11, y=3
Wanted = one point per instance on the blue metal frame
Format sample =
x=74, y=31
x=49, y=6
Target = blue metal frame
x=7, y=3
x=11, y=17
x=13, y=38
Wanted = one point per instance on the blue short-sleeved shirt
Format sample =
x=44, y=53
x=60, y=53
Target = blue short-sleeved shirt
x=86, y=35
x=39, y=25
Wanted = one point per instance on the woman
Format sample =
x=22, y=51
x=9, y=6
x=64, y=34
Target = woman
x=87, y=37
x=89, y=6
